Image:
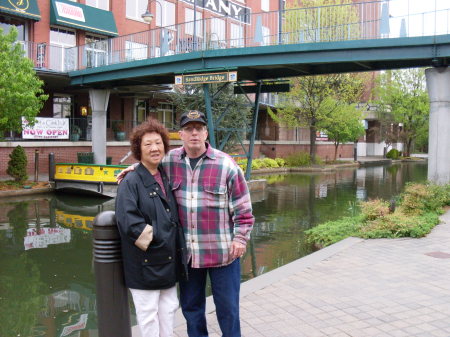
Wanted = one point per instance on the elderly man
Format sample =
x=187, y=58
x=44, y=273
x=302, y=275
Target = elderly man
x=216, y=214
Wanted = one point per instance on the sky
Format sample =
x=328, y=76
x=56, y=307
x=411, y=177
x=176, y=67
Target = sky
x=420, y=24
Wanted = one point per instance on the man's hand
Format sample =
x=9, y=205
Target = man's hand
x=124, y=172
x=237, y=249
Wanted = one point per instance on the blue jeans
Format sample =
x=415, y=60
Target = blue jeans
x=225, y=285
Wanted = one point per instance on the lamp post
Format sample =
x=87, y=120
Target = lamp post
x=148, y=16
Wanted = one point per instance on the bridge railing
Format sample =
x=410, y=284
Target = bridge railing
x=356, y=21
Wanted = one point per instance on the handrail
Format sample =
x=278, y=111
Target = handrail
x=356, y=21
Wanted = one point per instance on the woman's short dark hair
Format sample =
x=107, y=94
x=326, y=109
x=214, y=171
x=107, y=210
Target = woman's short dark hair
x=151, y=125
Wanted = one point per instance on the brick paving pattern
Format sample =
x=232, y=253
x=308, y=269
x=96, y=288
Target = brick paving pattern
x=383, y=287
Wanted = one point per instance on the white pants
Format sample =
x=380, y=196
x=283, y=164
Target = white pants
x=155, y=311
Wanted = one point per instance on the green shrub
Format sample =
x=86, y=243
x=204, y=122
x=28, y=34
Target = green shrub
x=330, y=232
x=420, y=198
x=269, y=163
x=393, y=154
x=281, y=162
x=17, y=164
x=242, y=163
x=373, y=209
x=256, y=164
x=298, y=159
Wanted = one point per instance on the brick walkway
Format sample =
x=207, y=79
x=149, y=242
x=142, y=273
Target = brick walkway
x=384, y=287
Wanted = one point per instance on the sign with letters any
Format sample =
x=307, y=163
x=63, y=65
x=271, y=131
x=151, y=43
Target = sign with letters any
x=225, y=8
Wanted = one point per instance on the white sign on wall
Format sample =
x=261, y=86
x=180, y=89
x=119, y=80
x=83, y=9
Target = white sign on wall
x=70, y=11
x=46, y=128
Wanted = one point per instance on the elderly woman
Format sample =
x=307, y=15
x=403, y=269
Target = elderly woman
x=153, y=244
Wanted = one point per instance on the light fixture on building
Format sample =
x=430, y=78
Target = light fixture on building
x=148, y=16
x=84, y=110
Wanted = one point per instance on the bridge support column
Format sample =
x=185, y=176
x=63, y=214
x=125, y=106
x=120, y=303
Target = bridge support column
x=99, y=104
x=438, y=83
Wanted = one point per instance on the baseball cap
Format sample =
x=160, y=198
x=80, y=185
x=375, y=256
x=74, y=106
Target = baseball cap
x=192, y=116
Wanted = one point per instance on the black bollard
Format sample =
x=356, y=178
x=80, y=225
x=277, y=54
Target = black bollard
x=113, y=312
x=51, y=166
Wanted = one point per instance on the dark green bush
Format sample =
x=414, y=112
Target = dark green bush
x=298, y=159
x=17, y=164
x=393, y=154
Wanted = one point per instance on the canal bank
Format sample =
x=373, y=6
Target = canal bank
x=356, y=287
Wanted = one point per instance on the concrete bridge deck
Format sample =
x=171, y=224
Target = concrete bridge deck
x=360, y=288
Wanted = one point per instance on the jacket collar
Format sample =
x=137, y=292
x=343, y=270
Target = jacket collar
x=146, y=176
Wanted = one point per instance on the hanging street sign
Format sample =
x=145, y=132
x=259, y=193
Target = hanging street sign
x=228, y=76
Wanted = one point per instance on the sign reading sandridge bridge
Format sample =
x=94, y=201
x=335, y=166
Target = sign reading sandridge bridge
x=228, y=76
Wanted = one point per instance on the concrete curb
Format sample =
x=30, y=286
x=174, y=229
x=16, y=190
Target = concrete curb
x=16, y=193
x=264, y=280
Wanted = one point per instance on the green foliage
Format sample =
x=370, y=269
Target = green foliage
x=21, y=93
x=393, y=154
x=281, y=162
x=374, y=209
x=298, y=159
x=17, y=164
x=269, y=163
x=418, y=213
x=306, y=103
x=333, y=231
x=402, y=98
x=191, y=97
x=419, y=198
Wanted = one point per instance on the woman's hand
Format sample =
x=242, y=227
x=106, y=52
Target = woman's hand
x=124, y=172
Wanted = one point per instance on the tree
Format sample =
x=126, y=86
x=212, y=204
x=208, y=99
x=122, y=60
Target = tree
x=343, y=123
x=402, y=98
x=21, y=93
x=307, y=104
x=17, y=164
x=191, y=97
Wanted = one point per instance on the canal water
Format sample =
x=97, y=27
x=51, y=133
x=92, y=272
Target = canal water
x=46, y=270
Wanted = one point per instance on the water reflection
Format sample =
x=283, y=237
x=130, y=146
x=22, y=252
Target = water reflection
x=46, y=271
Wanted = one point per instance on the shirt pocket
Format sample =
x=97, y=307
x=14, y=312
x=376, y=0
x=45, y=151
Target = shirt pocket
x=215, y=195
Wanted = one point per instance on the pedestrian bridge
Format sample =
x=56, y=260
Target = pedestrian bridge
x=367, y=36
x=363, y=36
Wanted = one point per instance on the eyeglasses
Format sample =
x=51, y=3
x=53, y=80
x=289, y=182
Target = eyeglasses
x=190, y=129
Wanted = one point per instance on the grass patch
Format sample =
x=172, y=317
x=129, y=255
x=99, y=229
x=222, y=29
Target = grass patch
x=416, y=215
x=11, y=185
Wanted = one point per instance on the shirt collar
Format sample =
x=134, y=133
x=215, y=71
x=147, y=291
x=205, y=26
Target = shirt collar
x=209, y=152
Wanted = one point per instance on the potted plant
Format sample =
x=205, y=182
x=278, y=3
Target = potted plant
x=119, y=130
x=75, y=132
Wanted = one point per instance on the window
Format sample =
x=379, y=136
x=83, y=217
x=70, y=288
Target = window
x=168, y=14
x=101, y=4
x=265, y=5
x=237, y=34
x=135, y=51
x=96, y=51
x=164, y=114
x=141, y=111
x=62, y=59
x=217, y=29
x=135, y=8
x=266, y=35
x=190, y=24
x=62, y=106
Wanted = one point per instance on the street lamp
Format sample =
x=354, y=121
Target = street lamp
x=148, y=16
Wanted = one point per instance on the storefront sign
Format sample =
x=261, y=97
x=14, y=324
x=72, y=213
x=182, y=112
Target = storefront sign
x=70, y=11
x=320, y=135
x=229, y=76
x=225, y=8
x=41, y=238
x=46, y=128
x=24, y=8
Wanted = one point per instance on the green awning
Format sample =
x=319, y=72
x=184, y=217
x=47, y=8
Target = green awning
x=72, y=14
x=25, y=8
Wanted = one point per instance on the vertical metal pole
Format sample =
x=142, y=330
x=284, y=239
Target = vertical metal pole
x=51, y=166
x=36, y=165
x=248, y=172
x=209, y=115
x=113, y=312
x=195, y=25
x=280, y=21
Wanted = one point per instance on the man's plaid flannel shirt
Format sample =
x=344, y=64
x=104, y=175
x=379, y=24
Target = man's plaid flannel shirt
x=213, y=204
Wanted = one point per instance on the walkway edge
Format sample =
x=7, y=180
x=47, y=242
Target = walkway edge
x=282, y=272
